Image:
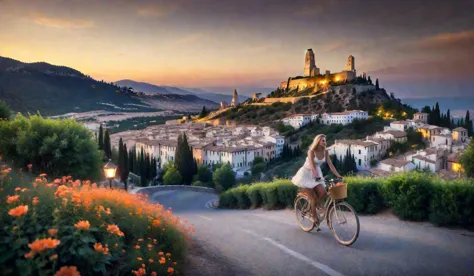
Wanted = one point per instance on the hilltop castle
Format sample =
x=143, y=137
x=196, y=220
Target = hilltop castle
x=313, y=77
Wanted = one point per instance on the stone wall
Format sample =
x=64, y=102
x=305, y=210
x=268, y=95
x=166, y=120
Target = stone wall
x=281, y=100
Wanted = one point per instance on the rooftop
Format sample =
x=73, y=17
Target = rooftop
x=395, y=133
x=454, y=157
x=399, y=163
x=459, y=129
x=356, y=143
x=424, y=158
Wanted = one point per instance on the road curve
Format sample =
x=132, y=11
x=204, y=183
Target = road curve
x=258, y=242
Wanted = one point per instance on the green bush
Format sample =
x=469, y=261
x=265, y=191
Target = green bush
x=224, y=178
x=409, y=195
x=253, y=192
x=269, y=194
x=172, y=177
x=286, y=192
x=240, y=196
x=54, y=147
x=227, y=200
x=5, y=112
x=452, y=203
x=364, y=194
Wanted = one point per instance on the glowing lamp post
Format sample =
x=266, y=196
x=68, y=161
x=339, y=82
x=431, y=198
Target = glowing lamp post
x=109, y=170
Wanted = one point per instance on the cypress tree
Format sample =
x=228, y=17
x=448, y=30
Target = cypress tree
x=130, y=160
x=107, y=145
x=126, y=170
x=101, y=137
x=377, y=84
x=448, y=119
x=121, y=160
x=142, y=168
x=468, y=123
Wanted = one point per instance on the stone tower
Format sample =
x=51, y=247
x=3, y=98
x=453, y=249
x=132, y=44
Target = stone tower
x=350, y=64
x=309, y=64
x=235, y=98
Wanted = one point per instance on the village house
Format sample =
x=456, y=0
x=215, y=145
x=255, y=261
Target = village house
x=433, y=159
x=420, y=116
x=453, y=163
x=364, y=151
x=444, y=141
x=394, y=135
x=382, y=145
x=459, y=134
x=397, y=125
x=297, y=120
x=396, y=165
x=343, y=118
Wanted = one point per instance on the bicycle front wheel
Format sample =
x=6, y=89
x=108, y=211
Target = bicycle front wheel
x=303, y=214
x=344, y=223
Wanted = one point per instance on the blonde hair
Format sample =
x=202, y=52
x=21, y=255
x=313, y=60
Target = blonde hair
x=315, y=143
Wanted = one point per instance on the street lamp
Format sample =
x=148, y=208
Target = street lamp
x=109, y=170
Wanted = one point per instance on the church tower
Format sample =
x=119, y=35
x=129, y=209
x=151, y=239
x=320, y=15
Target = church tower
x=309, y=64
x=235, y=99
x=350, y=64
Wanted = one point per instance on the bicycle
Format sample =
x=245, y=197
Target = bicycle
x=335, y=201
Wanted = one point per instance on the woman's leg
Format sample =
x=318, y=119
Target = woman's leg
x=312, y=199
x=321, y=194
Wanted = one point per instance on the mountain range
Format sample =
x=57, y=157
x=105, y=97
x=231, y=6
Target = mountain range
x=53, y=90
x=151, y=89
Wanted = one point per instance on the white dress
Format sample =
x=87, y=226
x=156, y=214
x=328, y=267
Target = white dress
x=304, y=178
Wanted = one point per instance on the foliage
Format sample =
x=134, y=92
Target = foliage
x=56, y=147
x=101, y=138
x=123, y=168
x=467, y=159
x=203, y=113
x=224, y=178
x=172, y=177
x=47, y=227
x=204, y=174
x=184, y=161
x=107, y=145
x=5, y=111
x=138, y=123
x=411, y=196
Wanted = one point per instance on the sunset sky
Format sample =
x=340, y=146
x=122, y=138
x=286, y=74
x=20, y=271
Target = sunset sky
x=417, y=48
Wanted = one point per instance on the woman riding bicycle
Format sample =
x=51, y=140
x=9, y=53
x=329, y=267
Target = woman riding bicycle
x=310, y=177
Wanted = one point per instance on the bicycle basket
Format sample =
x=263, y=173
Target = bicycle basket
x=338, y=192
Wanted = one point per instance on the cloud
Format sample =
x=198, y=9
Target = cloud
x=447, y=40
x=190, y=38
x=334, y=46
x=62, y=23
x=156, y=11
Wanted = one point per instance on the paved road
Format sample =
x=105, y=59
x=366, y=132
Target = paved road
x=258, y=242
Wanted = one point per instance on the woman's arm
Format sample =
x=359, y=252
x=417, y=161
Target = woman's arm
x=311, y=162
x=331, y=166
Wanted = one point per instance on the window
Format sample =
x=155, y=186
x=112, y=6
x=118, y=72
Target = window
x=359, y=151
x=360, y=162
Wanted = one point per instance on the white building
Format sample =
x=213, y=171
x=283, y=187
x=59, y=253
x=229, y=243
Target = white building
x=344, y=118
x=441, y=141
x=394, y=135
x=298, y=120
x=433, y=159
x=398, y=125
x=396, y=165
x=279, y=142
x=364, y=151
x=382, y=145
x=420, y=116
x=459, y=134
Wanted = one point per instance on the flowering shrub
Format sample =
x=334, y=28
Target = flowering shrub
x=71, y=227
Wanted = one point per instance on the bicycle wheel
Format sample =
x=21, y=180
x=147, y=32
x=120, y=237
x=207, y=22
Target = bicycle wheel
x=344, y=223
x=303, y=214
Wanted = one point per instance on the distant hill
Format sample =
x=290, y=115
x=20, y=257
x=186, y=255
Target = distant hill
x=53, y=90
x=148, y=88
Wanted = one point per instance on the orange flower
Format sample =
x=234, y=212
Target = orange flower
x=54, y=257
x=18, y=211
x=150, y=246
x=15, y=228
x=24, y=190
x=113, y=229
x=139, y=272
x=137, y=247
x=35, y=200
x=62, y=191
x=12, y=199
x=52, y=231
x=43, y=244
x=57, y=181
x=29, y=166
x=139, y=258
x=43, y=175
x=82, y=225
x=154, y=273
x=162, y=260
x=150, y=261
x=170, y=270
x=156, y=223
x=116, y=245
x=17, y=189
x=140, y=240
x=175, y=263
x=99, y=248
x=160, y=253
x=68, y=271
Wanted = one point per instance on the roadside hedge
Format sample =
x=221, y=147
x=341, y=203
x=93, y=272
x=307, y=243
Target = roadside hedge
x=411, y=196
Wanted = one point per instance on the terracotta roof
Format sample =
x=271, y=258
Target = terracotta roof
x=356, y=142
x=454, y=157
x=459, y=129
x=395, y=162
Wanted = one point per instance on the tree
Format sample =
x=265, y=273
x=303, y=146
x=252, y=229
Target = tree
x=172, y=177
x=224, y=178
x=203, y=112
x=184, y=161
x=5, y=111
x=142, y=168
x=101, y=137
x=377, y=84
x=131, y=160
x=126, y=170
x=369, y=80
x=468, y=124
x=107, y=145
x=204, y=174
x=121, y=160
x=467, y=159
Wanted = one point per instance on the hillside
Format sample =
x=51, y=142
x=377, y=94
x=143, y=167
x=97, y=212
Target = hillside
x=336, y=99
x=53, y=90
x=152, y=89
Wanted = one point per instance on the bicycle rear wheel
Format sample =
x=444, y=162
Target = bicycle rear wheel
x=303, y=213
x=344, y=223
